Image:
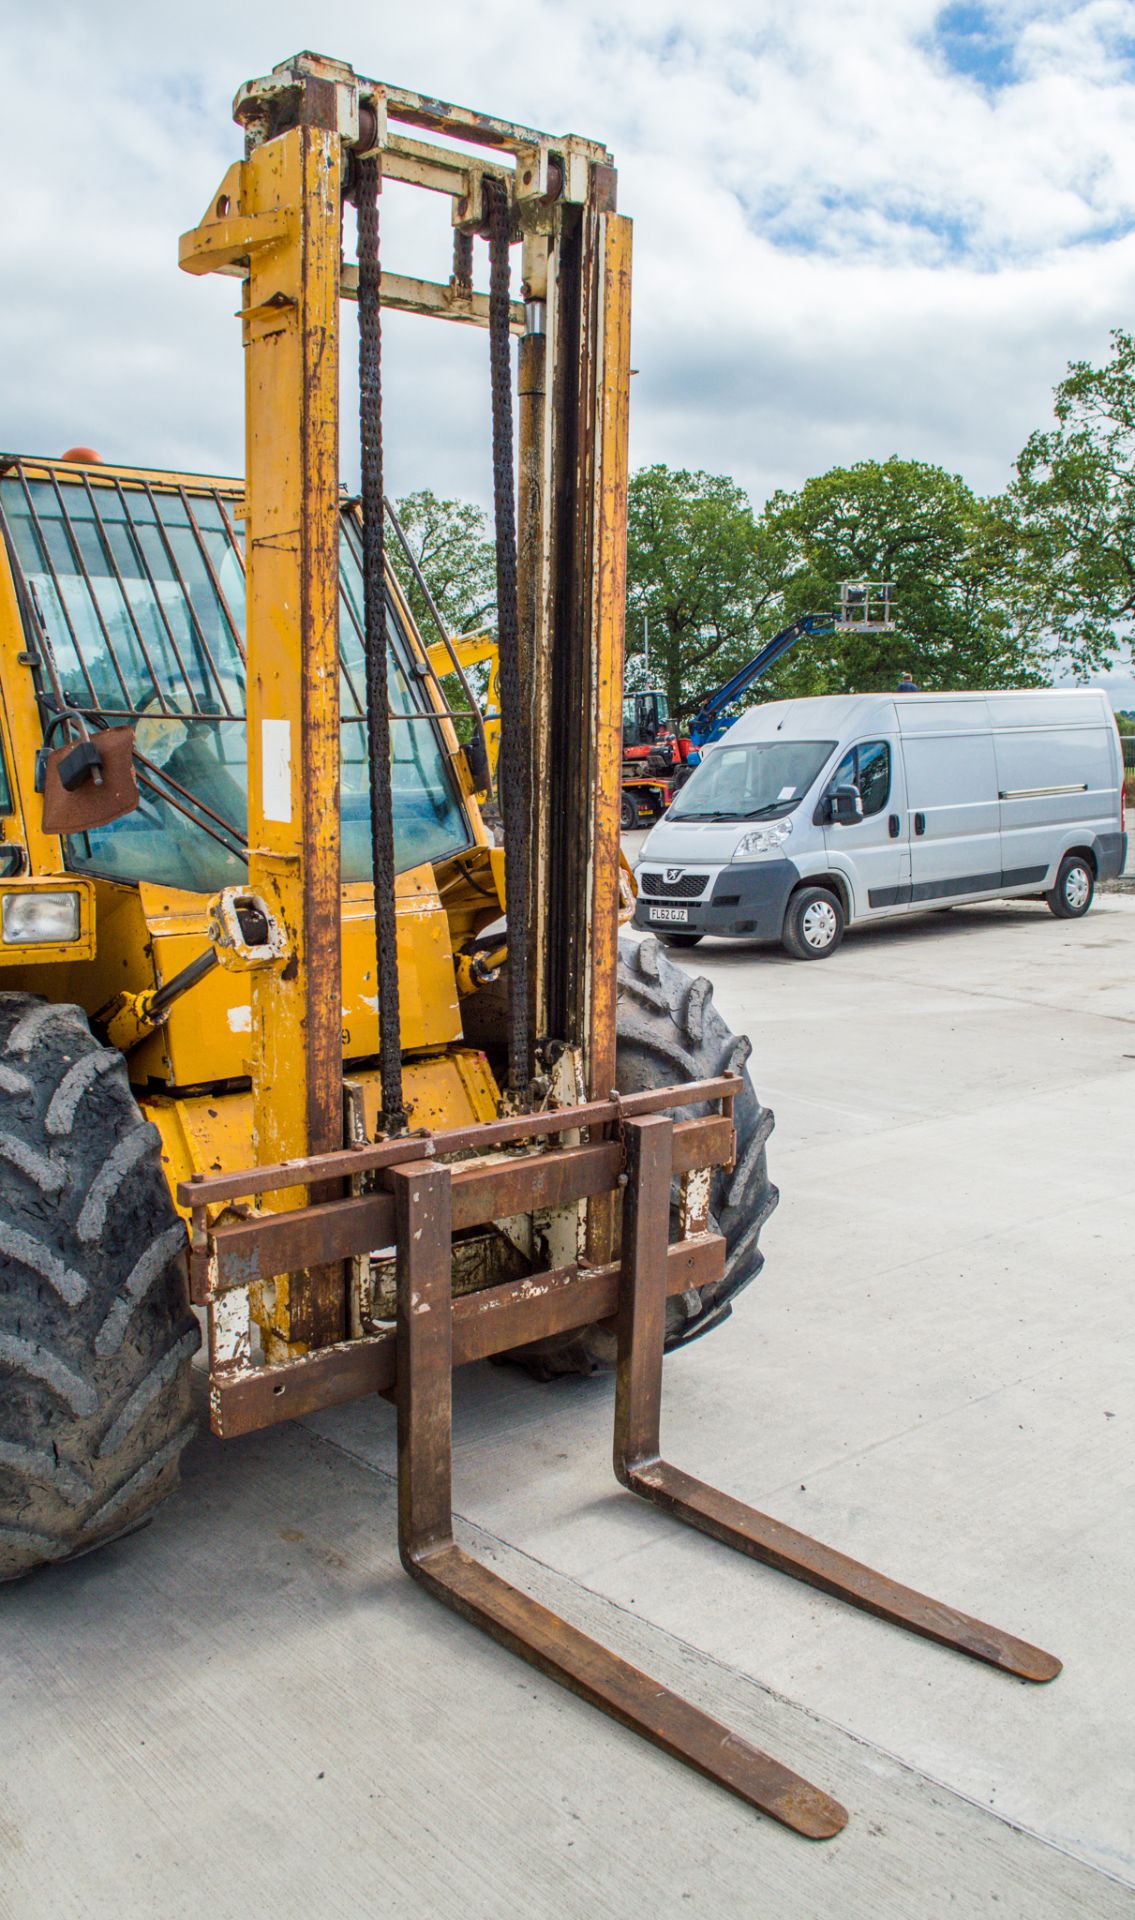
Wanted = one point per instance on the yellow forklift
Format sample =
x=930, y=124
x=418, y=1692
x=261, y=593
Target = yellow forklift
x=285, y=1036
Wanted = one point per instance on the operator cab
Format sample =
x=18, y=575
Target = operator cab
x=133, y=601
x=645, y=716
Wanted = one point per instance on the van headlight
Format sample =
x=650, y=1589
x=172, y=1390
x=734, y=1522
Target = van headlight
x=764, y=840
x=39, y=919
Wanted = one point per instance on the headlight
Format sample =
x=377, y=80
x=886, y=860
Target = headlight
x=35, y=919
x=764, y=840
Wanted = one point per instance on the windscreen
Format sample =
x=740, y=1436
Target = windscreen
x=754, y=780
x=139, y=593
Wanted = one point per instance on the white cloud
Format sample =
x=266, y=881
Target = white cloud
x=844, y=247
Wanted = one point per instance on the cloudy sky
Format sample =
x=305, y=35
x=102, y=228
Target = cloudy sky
x=858, y=230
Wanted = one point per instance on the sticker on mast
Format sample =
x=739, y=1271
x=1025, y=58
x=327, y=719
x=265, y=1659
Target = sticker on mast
x=276, y=770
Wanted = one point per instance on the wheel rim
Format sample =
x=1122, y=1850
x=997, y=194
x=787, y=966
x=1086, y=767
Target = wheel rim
x=818, y=924
x=1077, y=888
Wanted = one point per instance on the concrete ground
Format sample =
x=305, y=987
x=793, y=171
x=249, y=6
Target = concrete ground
x=247, y=1710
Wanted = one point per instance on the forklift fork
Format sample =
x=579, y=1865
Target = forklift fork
x=422, y=1201
x=431, y=1555
x=640, y=1467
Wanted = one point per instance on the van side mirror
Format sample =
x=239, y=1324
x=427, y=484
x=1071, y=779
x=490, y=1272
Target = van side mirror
x=845, y=806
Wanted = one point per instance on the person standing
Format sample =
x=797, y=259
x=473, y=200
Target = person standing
x=906, y=684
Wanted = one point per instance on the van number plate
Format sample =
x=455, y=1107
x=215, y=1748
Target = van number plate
x=679, y=914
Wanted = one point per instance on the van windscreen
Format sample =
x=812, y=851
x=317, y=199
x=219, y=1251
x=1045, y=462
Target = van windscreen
x=759, y=779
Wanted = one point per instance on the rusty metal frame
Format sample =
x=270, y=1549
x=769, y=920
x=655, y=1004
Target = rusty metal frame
x=499, y=1171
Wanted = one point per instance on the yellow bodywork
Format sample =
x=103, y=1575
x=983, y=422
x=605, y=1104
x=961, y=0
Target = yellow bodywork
x=194, y=1068
x=254, y=1063
x=204, y=1133
x=476, y=650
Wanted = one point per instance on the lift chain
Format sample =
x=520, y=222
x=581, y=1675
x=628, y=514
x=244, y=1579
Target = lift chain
x=462, y=260
x=514, y=779
x=393, y=1116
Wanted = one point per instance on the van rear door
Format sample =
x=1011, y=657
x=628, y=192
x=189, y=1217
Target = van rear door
x=952, y=795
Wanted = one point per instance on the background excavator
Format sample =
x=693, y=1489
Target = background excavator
x=275, y=998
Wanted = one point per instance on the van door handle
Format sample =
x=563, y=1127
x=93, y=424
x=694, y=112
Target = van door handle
x=920, y=823
x=894, y=826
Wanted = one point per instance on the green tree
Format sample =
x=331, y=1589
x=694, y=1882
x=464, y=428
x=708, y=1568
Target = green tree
x=1070, y=512
x=701, y=574
x=943, y=548
x=454, y=548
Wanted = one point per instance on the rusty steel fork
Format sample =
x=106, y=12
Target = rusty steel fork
x=640, y=1467
x=430, y=1554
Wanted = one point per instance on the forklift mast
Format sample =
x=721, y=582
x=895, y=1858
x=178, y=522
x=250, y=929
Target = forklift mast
x=310, y=127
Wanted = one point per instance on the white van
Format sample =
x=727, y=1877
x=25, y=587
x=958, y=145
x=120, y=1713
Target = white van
x=810, y=815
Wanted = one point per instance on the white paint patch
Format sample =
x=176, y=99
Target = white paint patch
x=231, y=1328
x=240, y=1019
x=694, y=1199
x=276, y=770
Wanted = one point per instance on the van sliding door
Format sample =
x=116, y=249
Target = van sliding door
x=952, y=796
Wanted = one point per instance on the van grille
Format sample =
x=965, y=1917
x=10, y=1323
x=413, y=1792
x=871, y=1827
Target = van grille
x=687, y=887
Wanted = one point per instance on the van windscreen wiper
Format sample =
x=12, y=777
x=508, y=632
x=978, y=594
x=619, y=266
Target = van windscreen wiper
x=755, y=814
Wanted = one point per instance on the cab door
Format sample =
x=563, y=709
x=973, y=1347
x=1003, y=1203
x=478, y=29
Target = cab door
x=874, y=851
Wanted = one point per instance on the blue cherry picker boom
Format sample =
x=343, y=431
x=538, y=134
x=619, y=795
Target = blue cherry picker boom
x=658, y=759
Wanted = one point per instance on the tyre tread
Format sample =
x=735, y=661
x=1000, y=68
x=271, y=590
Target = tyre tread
x=670, y=1031
x=96, y=1338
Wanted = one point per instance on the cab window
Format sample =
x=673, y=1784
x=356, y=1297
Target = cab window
x=867, y=767
x=873, y=775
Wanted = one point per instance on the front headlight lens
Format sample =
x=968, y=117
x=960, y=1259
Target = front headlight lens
x=34, y=919
x=763, y=840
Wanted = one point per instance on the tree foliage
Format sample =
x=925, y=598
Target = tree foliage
x=922, y=529
x=454, y=548
x=1069, y=515
x=701, y=575
x=715, y=580
x=998, y=592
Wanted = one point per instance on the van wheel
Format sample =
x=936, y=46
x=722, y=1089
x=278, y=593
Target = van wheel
x=628, y=813
x=681, y=939
x=96, y=1332
x=1074, y=890
x=813, y=925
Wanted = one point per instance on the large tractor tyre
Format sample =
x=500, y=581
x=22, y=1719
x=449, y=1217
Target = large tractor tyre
x=96, y=1333
x=670, y=1031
